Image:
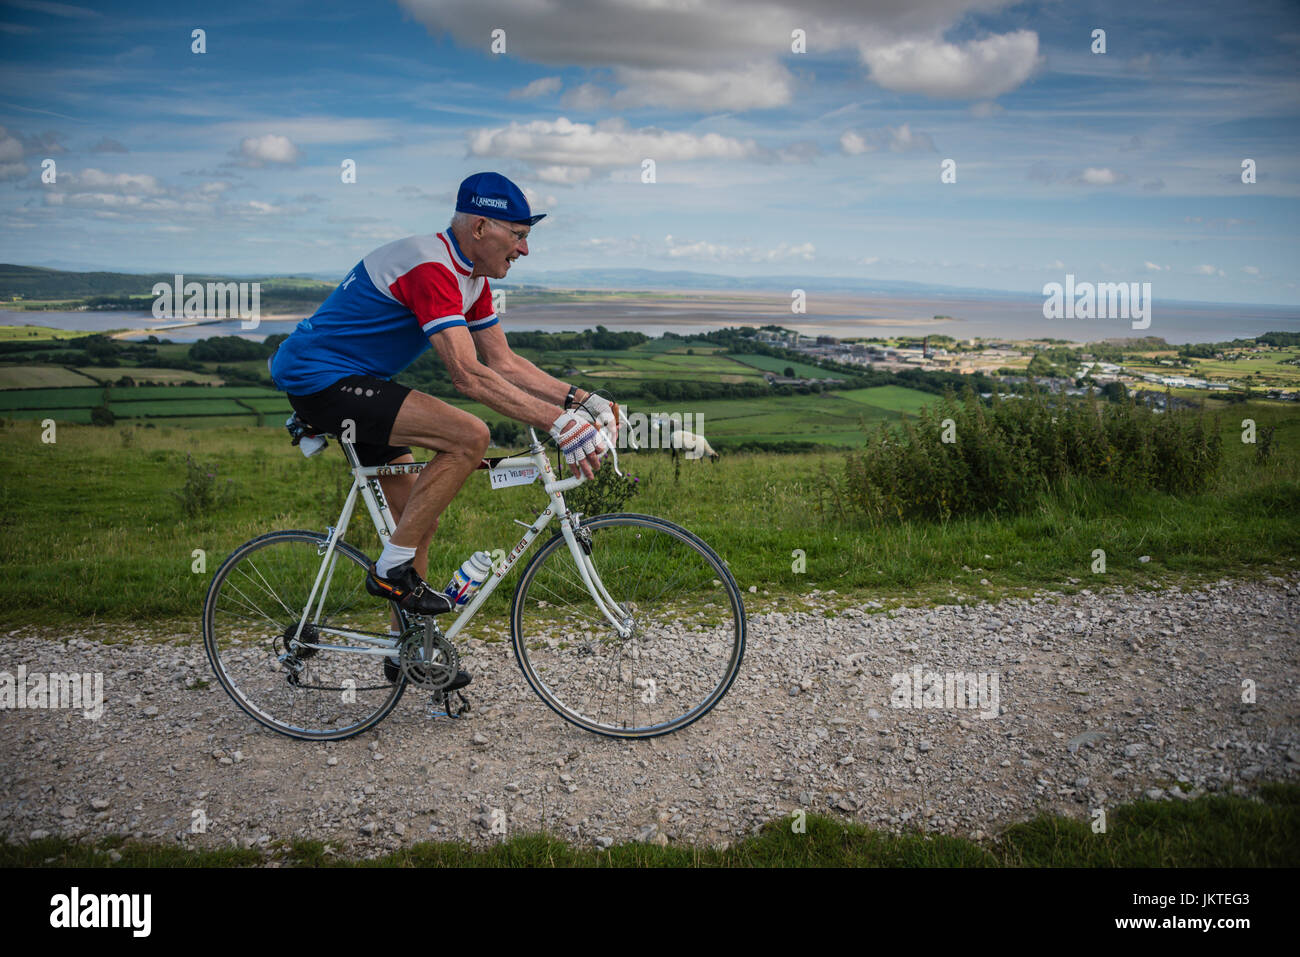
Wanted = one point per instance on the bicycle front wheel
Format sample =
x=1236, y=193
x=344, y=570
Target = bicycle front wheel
x=253, y=640
x=686, y=617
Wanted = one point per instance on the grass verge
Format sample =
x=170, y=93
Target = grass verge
x=1211, y=831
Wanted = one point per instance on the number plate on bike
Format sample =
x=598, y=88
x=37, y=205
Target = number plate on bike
x=514, y=475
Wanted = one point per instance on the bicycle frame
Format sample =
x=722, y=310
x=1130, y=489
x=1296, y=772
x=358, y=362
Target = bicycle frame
x=366, y=487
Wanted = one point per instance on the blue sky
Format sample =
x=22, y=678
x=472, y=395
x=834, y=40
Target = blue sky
x=1122, y=166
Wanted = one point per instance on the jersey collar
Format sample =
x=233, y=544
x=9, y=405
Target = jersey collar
x=455, y=250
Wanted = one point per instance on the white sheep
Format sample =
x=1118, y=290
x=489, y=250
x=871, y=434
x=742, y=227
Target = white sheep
x=679, y=439
x=695, y=446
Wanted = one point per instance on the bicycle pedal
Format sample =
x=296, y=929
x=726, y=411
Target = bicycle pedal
x=444, y=702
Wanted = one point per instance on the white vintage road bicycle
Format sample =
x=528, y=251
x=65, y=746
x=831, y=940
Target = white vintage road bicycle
x=626, y=625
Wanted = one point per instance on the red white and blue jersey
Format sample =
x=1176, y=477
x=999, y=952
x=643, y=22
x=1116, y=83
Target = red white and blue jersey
x=379, y=319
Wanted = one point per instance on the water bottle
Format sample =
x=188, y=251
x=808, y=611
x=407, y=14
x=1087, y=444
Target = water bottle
x=468, y=577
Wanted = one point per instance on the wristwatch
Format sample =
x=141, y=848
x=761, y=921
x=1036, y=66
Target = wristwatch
x=568, y=399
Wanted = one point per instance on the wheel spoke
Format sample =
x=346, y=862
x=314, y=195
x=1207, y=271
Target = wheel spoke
x=338, y=692
x=672, y=668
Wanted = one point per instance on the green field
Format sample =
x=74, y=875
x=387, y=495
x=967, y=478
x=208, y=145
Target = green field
x=200, y=406
x=69, y=398
x=638, y=363
x=826, y=418
x=186, y=407
x=157, y=392
x=124, y=552
x=77, y=416
x=12, y=333
x=1276, y=368
x=268, y=406
x=890, y=397
x=205, y=422
x=36, y=377
x=1266, y=369
x=772, y=364
x=144, y=374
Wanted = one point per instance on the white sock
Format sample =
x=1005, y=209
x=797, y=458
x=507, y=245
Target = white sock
x=391, y=556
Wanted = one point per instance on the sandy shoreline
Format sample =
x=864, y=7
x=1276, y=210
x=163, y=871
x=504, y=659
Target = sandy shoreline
x=841, y=315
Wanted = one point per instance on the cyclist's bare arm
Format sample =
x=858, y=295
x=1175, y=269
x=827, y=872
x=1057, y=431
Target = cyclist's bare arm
x=496, y=353
x=483, y=383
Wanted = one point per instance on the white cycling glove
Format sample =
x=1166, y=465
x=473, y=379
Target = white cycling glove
x=605, y=412
x=578, y=441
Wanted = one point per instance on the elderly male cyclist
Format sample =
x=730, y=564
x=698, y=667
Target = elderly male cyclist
x=431, y=289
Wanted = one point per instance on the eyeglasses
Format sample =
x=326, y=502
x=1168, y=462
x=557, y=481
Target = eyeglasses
x=519, y=234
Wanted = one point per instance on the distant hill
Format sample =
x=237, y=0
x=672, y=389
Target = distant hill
x=36, y=282
x=113, y=290
x=636, y=279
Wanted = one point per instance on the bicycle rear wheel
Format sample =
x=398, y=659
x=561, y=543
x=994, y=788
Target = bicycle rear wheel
x=250, y=632
x=687, y=619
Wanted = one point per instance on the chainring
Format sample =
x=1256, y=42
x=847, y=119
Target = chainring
x=441, y=667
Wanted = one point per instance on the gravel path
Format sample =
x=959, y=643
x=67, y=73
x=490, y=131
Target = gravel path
x=1102, y=698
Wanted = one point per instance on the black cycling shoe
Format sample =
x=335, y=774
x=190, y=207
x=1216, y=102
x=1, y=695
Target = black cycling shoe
x=412, y=593
x=393, y=671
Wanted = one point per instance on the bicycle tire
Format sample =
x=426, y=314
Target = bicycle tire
x=543, y=631
x=247, y=663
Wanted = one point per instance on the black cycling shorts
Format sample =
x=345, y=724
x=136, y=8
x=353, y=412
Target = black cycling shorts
x=372, y=405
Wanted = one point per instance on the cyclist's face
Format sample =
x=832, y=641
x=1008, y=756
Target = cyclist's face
x=502, y=244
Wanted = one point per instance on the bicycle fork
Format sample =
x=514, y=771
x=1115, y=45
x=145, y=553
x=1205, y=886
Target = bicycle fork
x=579, y=542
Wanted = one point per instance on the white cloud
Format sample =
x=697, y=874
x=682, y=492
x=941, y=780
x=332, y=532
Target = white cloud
x=718, y=252
x=541, y=87
x=1152, y=267
x=268, y=148
x=730, y=54
x=537, y=202
x=586, y=97
x=1250, y=270
x=11, y=155
x=1209, y=271
x=1056, y=264
x=564, y=175
x=565, y=148
x=897, y=139
x=1099, y=176
x=757, y=85
x=985, y=109
x=979, y=69
x=94, y=180
x=903, y=140
x=853, y=144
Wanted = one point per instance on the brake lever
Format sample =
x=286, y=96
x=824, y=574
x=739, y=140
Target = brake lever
x=609, y=447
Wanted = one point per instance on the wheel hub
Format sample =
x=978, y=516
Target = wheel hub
x=297, y=646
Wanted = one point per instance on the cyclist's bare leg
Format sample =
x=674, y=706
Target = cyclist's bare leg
x=460, y=439
x=397, y=490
